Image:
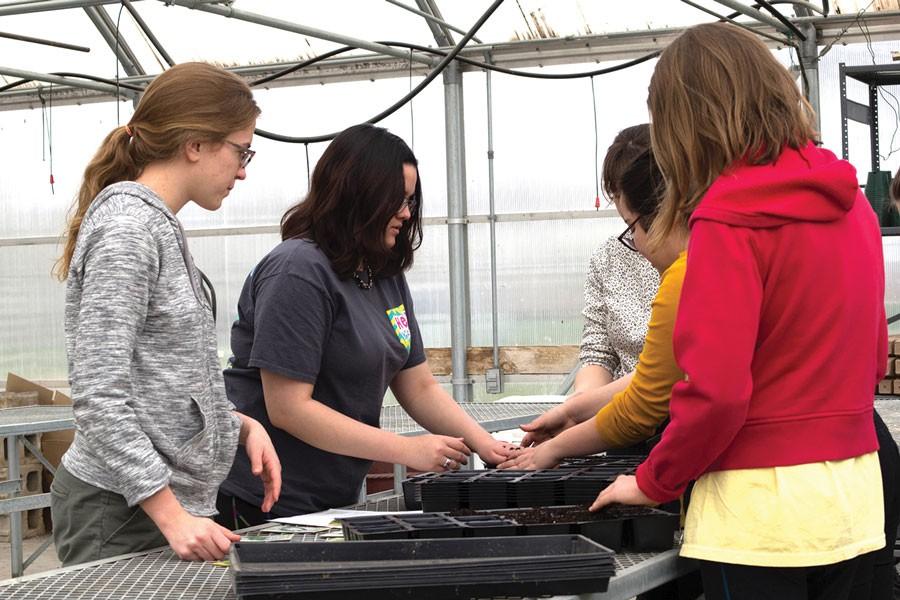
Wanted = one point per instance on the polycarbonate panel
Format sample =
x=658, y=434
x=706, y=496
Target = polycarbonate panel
x=29, y=205
x=543, y=134
x=541, y=267
x=32, y=341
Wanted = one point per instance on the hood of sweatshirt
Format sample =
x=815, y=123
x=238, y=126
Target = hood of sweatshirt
x=140, y=192
x=810, y=184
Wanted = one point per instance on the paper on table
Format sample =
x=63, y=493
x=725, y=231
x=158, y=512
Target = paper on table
x=327, y=518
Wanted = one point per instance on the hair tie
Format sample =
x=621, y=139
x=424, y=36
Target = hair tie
x=128, y=131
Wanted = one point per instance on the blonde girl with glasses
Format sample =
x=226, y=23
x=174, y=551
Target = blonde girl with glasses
x=780, y=330
x=155, y=434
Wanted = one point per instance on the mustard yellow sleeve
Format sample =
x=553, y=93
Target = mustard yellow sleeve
x=635, y=413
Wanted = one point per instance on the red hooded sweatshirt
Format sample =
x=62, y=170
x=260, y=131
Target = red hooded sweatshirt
x=781, y=327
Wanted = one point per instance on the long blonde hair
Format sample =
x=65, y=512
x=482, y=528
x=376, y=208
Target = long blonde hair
x=717, y=96
x=190, y=101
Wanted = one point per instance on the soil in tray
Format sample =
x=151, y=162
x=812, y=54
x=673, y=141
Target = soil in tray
x=556, y=515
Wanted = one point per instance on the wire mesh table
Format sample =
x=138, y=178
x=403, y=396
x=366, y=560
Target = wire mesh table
x=159, y=575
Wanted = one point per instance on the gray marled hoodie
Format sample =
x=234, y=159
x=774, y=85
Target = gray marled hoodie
x=150, y=405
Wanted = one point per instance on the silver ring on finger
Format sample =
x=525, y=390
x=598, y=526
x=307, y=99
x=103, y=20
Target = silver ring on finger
x=446, y=462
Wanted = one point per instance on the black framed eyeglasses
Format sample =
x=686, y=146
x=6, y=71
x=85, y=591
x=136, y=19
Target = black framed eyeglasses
x=246, y=154
x=627, y=236
x=411, y=203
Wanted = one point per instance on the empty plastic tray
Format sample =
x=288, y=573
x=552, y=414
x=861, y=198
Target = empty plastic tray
x=437, y=569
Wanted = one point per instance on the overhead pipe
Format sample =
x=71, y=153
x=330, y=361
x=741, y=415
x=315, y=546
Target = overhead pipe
x=88, y=85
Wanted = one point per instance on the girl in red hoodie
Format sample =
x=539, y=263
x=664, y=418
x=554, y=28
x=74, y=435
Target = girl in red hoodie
x=780, y=331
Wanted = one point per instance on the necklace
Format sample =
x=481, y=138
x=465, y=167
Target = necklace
x=368, y=282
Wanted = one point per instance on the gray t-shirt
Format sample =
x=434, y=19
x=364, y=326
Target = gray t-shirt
x=297, y=318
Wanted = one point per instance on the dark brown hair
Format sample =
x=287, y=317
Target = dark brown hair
x=631, y=175
x=895, y=188
x=356, y=188
x=190, y=101
x=627, y=145
x=717, y=96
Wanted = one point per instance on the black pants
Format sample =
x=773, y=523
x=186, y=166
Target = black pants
x=875, y=577
x=723, y=581
x=235, y=513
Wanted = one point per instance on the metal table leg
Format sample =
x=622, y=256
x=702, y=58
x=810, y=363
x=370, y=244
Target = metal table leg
x=15, y=518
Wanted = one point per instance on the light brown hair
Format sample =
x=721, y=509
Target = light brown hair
x=717, y=96
x=190, y=102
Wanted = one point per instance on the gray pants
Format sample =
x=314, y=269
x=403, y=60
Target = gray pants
x=90, y=523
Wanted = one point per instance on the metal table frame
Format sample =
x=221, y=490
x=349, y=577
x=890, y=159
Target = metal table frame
x=15, y=425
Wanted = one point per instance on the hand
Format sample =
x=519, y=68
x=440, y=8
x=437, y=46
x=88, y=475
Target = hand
x=536, y=457
x=623, y=490
x=431, y=453
x=198, y=538
x=548, y=425
x=494, y=451
x=264, y=461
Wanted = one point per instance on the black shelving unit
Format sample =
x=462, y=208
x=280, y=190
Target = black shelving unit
x=873, y=76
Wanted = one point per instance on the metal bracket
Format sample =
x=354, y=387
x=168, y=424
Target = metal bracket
x=493, y=381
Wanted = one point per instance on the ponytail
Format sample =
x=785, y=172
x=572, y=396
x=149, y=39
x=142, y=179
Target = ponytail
x=190, y=101
x=112, y=163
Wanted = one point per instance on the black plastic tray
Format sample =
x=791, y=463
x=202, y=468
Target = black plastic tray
x=455, y=568
x=490, y=489
x=640, y=529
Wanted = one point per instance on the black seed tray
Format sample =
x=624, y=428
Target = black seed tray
x=603, y=460
x=540, y=565
x=426, y=526
x=412, y=490
x=634, y=528
x=440, y=492
x=639, y=529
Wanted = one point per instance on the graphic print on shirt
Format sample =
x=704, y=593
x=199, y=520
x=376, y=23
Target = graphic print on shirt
x=400, y=323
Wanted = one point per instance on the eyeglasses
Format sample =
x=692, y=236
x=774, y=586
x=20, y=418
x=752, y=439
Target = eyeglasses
x=246, y=154
x=411, y=203
x=627, y=236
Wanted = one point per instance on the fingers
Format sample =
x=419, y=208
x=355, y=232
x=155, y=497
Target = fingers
x=459, y=445
x=623, y=490
x=271, y=484
x=206, y=540
x=603, y=499
x=530, y=426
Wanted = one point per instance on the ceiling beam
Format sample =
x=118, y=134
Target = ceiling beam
x=113, y=38
x=439, y=28
x=66, y=86
x=519, y=54
x=21, y=8
x=243, y=15
x=756, y=14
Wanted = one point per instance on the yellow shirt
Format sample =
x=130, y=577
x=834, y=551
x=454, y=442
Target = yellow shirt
x=634, y=413
x=797, y=516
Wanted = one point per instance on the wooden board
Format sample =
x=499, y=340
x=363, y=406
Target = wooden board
x=537, y=360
